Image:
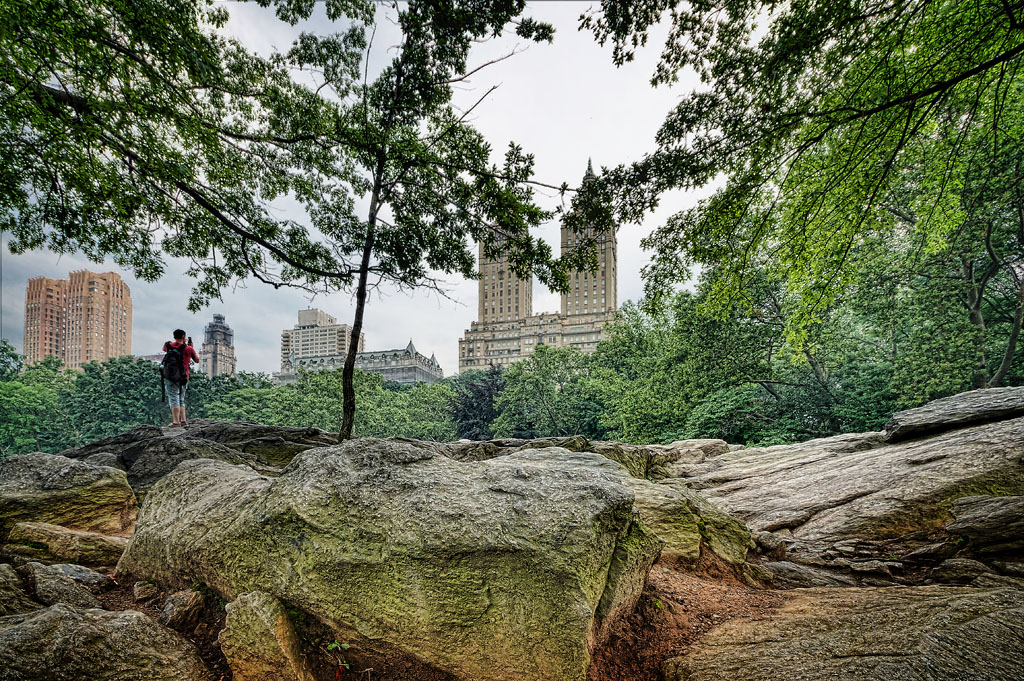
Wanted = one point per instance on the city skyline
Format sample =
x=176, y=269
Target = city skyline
x=563, y=119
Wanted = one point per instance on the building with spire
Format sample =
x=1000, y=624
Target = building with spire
x=217, y=357
x=507, y=330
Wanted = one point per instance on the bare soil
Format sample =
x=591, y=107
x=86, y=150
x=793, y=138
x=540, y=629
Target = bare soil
x=677, y=608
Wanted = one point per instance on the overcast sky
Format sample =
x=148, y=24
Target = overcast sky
x=564, y=103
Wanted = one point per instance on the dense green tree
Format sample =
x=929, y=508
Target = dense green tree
x=473, y=402
x=10, y=361
x=110, y=397
x=33, y=416
x=551, y=392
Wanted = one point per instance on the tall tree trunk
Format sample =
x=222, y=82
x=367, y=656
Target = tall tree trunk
x=1011, y=344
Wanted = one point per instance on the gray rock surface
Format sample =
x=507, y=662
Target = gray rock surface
x=53, y=542
x=13, y=599
x=463, y=566
x=789, y=575
x=64, y=642
x=958, y=571
x=825, y=493
x=957, y=411
x=260, y=642
x=90, y=579
x=148, y=453
x=884, y=634
x=55, y=489
x=990, y=524
x=50, y=585
x=104, y=459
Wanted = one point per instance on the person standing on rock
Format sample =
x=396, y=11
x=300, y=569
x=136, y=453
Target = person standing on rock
x=178, y=357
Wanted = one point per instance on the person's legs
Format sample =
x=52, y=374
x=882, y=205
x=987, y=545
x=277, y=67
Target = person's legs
x=181, y=416
x=173, y=391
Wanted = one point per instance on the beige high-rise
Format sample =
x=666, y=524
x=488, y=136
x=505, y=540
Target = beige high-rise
x=84, y=318
x=317, y=334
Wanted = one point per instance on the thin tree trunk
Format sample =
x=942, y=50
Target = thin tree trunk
x=1011, y=345
x=348, y=390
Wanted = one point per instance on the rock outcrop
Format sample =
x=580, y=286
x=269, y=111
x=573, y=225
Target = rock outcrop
x=55, y=489
x=68, y=642
x=148, y=453
x=991, y=525
x=896, y=633
x=854, y=497
x=463, y=566
x=958, y=411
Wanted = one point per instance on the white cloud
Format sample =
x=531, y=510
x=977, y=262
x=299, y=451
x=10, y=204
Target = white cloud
x=563, y=102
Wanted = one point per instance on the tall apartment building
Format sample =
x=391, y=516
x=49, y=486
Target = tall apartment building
x=84, y=318
x=507, y=329
x=218, y=354
x=317, y=334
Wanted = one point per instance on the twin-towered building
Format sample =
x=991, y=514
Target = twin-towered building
x=508, y=331
x=86, y=317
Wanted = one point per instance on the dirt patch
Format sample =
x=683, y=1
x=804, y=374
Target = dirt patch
x=676, y=609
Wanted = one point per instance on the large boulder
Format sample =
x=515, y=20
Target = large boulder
x=55, y=489
x=895, y=633
x=55, y=543
x=949, y=413
x=464, y=566
x=854, y=493
x=260, y=642
x=689, y=524
x=68, y=642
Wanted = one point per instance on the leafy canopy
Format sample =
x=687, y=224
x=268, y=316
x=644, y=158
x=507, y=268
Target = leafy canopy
x=811, y=111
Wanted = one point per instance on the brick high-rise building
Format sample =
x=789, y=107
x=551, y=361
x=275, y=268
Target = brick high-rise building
x=218, y=353
x=46, y=306
x=508, y=331
x=84, y=318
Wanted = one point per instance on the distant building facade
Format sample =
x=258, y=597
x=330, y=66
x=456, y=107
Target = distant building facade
x=218, y=354
x=317, y=335
x=508, y=331
x=403, y=365
x=84, y=318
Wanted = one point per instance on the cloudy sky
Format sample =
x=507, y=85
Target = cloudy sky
x=564, y=103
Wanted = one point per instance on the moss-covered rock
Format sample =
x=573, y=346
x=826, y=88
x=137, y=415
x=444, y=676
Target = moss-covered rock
x=490, y=570
x=55, y=489
x=13, y=599
x=55, y=543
